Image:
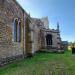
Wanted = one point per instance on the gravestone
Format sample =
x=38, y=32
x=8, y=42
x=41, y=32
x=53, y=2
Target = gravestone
x=73, y=50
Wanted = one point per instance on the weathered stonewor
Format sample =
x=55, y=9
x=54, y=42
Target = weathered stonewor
x=35, y=34
x=10, y=50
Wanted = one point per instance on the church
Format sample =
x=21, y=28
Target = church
x=22, y=35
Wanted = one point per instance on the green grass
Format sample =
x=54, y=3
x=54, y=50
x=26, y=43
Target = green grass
x=42, y=64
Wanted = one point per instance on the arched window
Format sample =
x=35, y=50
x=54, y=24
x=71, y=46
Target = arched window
x=15, y=29
x=19, y=31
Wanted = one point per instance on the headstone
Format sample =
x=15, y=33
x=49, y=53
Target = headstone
x=73, y=50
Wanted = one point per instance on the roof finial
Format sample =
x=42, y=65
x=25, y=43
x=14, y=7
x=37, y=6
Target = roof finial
x=29, y=14
x=57, y=25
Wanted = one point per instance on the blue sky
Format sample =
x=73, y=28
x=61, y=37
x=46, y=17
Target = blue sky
x=56, y=10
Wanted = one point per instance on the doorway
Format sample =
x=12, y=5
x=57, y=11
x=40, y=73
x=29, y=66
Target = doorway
x=49, y=39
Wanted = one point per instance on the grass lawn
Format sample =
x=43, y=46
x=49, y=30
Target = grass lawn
x=42, y=64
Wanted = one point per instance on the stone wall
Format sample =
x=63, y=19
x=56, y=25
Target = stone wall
x=36, y=35
x=9, y=10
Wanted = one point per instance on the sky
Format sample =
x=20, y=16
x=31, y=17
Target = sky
x=56, y=10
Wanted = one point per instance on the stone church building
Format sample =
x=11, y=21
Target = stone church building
x=21, y=35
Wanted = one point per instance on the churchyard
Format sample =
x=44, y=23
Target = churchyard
x=42, y=64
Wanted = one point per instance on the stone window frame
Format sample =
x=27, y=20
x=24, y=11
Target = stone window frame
x=17, y=30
